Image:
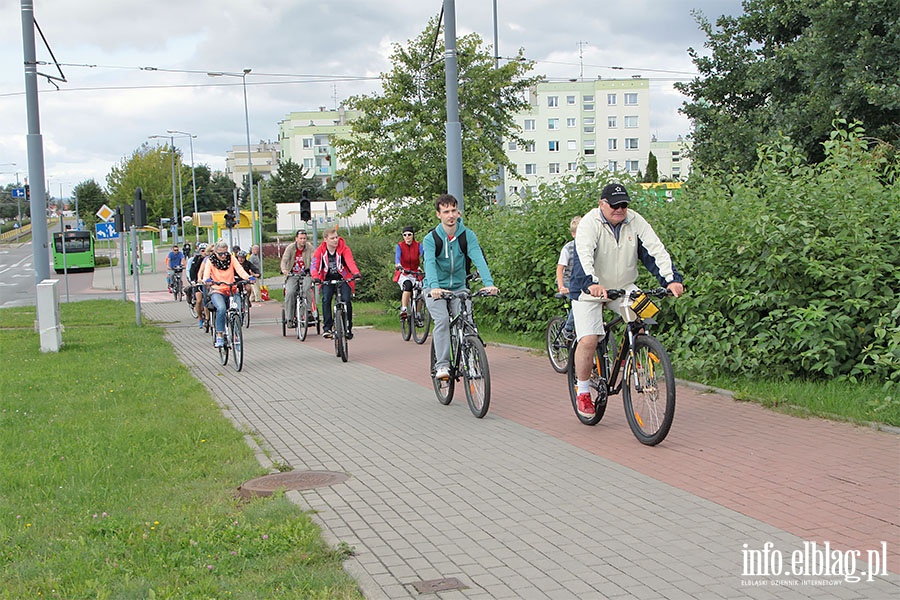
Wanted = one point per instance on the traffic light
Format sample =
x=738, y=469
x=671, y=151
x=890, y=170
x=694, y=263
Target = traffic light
x=305, y=213
x=229, y=217
x=140, y=209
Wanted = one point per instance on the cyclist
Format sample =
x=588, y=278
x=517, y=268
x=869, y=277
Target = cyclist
x=609, y=242
x=174, y=261
x=221, y=266
x=296, y=260
x=564, y=272
x=447, y=272
x=407, y=255
x=255, y=261
x=333, y=261
x=193, y=274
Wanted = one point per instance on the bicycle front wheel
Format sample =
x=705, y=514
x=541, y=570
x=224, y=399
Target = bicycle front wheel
x=442, y=389
x=245, y=308
x=649, y=391
x=179, y=290
x=236, y=341
x=421, y=322
x=598, y=387
x=223, y=351
x=302, y=319
x=557, y=348
x=476, y=376
x=283, y=323
x=406, y=325
x=340, y=335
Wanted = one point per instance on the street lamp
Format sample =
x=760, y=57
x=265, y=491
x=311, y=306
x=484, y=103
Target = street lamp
x=257, y=236
x=174, y=205
x=193, y=181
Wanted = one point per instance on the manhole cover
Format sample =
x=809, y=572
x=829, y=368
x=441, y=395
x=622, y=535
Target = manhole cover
x=292, y=480
x=432, y=586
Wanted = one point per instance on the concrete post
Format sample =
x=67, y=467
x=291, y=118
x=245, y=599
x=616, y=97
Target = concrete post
x=48, y=315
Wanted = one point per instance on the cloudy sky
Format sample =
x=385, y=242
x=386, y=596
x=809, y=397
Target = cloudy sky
x=303, y=55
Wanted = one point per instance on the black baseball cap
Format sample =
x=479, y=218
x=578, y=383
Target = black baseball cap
x=615, y=194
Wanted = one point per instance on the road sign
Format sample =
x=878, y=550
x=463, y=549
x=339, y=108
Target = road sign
x=18, y=192
x=105, y=213
x=106, y=231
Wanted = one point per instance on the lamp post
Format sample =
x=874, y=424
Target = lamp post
x=193, y=180
x=174, y=205
x=256, y=236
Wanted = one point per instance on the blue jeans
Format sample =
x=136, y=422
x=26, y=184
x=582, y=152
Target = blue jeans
x=327, y=295
x=220, y=302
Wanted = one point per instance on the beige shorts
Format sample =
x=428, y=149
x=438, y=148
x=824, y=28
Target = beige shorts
x=588, y=313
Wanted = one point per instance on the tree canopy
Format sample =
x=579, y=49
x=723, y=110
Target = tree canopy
x=91, y=196
x=150, y=168
x=395, y=155
x=791, y=67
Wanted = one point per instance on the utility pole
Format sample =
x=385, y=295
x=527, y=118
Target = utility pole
x=453, y=129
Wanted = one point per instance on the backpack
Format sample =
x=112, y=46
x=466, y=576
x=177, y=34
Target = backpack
x=463, y=245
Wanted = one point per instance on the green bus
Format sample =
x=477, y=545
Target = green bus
x=79, y=251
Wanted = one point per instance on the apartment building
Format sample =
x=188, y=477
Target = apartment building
x=263, y=157
x=604, y=123
x=306, y=136
x=672, y=162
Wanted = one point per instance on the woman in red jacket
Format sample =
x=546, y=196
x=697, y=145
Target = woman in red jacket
x=333, y=261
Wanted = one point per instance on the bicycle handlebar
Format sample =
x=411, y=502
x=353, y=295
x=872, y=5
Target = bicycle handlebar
x=336, y=281
x=408, y=272
x=465, y=293
x=236, y=283
x=613, y=294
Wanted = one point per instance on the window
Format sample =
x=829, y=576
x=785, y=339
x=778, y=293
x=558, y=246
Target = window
x=591, y=166
x=571, y=166
x=553, y=101
x=588, y=106
x=611, y=99
x=589, y=129
x=612, y=166
x=529, y=124
x=529, y=147
x=572, y=145
x=553, y=146
x=570, y=100
x=631, y=143
x=587, y=98
x=611, y=122
x=308, y=163
x=552, y=123
x=631, y=99
x=631, y=122
x=612, y=144
x=553, y=168
x=571, y=122
x=589, y=120
x=513, y=146
x=307, y=142
x=531, y=169
x=632, y=166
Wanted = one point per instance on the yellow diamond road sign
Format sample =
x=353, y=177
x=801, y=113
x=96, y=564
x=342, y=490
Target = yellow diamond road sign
x=105, y=213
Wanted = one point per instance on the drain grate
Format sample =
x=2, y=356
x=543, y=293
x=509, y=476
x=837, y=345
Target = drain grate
x=439, y=585
x=292, y=480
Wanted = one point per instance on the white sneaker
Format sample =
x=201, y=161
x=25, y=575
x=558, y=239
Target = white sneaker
x=443, y=373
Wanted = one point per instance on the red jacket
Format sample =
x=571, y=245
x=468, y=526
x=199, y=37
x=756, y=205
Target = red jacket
x=345, y=263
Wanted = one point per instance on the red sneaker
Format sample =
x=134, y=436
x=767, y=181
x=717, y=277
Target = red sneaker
x=585, y=405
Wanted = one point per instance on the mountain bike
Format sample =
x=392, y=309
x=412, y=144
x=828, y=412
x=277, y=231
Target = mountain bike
x=468, y=358
x=341, y=324
x=307, y=311
x=641, y=370
x=176, y=284
x=233, y=336
x=417, y=320
x=558, y=342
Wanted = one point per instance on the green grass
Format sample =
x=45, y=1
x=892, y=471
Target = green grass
x=862, y=402
x=113, y=486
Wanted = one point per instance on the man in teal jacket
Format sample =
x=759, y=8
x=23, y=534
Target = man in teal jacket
x=446, y=271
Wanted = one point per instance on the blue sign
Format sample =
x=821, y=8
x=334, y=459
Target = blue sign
x=106, y=231
x=18, y=192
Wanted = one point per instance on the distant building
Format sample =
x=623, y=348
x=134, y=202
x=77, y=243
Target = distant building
x=672, y=162
x=263, y=156
x=305, y=138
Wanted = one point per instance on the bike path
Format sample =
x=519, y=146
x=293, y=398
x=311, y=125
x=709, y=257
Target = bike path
x=528, y=502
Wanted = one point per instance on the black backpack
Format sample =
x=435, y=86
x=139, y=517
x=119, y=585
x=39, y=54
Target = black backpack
x=463, y=245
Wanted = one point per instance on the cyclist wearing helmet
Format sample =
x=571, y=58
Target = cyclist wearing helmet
x=193, y=273
x=243, y=259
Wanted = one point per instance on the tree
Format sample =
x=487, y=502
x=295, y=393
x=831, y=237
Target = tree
x=652, y=175
x=395, y=159
x=149, y=168
x=792, y=68
x=90, y=198
x=288, y=184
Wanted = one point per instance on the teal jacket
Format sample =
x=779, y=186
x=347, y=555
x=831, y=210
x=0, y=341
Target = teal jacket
x=448, y=271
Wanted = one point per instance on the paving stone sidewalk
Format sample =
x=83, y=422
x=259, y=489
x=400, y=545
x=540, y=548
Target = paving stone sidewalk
x=527, y=502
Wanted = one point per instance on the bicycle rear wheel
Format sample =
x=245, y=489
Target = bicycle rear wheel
x=421, y=321
x=442, y=389
x=599, y=388
x=406, y=325
x=302, y=319
x=557, y=347
x=649, y=391
x=236, y=341
x=476, y=376
x=179, y=290
x=283, y=323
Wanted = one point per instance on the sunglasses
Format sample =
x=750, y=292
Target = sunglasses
x=222, y=253
x=407, y=235
x=618, y=206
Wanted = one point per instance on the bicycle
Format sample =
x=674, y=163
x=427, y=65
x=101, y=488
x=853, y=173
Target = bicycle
x=245, y=306
x=340, y=325
x=468, y=358
x=647, y=382
x=233, y=336
x=176, y=284
x=417, y=321
x=191, y=299
x=558, y=342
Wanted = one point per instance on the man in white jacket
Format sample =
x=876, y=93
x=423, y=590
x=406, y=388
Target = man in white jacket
x=608, y=243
